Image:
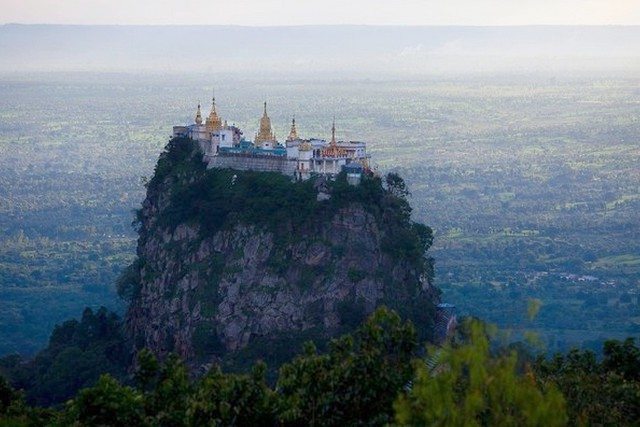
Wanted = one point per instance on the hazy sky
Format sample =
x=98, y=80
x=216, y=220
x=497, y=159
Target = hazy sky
x=299, y=12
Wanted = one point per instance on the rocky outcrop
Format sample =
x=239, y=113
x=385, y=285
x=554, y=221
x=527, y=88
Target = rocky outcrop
x=203, y=293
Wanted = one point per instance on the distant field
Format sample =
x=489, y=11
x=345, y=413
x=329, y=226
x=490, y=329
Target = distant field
x=614, y=261
x=531, y=184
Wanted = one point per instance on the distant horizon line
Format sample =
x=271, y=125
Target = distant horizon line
x=319, y=25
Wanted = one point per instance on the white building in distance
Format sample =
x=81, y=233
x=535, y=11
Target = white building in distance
x=225, y=147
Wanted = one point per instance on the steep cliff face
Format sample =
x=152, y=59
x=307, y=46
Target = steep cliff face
x=228, y=258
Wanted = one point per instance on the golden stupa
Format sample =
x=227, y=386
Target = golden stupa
x=265, y=134
x=293, y=133
x=333, y=150
x=214, y=122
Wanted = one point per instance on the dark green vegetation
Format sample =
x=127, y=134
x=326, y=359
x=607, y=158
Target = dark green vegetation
x=375, y=376
x=77, y=354
x=602, y=392
x=273, y=202
x=522, y=179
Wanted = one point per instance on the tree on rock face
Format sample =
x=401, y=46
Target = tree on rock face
x=466, y=386
x=396, y=185
x=356, y=382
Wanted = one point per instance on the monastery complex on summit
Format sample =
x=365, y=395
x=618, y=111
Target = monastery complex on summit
x=225, y=147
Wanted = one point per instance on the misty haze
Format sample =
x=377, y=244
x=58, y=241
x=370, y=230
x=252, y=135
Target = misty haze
x=316, y=51
x=519, y=147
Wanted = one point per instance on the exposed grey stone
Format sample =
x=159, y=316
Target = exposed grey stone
x=247, y=298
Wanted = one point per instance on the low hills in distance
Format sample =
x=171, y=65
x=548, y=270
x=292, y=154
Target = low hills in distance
x=345, y=50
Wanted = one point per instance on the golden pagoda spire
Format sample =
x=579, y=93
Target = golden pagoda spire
x=293, y=134
x=214, y=122
x=199, y=115
x=333, y=150
x=265, y=133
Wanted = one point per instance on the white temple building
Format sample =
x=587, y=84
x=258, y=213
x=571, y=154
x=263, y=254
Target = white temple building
x=225, y=147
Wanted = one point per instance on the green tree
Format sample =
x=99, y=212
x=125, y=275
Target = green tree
x=15, y=412
x=7, y=395
x=606, y=393
x=622, y=357
x=146, y=374
x=129, y=282
x=233, y=400
x=77, y=354
x=166, y=403
x=108, y=403
x=396, y=185
x=356, y=382
x=466, y=386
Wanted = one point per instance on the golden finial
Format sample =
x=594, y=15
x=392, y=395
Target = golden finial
x=214, y=122
x=265, y=133
x=333, y=150
x=293, y=134
x=198, y=115
x=333, y=131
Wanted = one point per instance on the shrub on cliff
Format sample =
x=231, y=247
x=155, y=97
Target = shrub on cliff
x=181, y=157
x=218, y=198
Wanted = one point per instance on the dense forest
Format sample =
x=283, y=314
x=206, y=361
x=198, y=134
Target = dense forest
x=378, y=375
